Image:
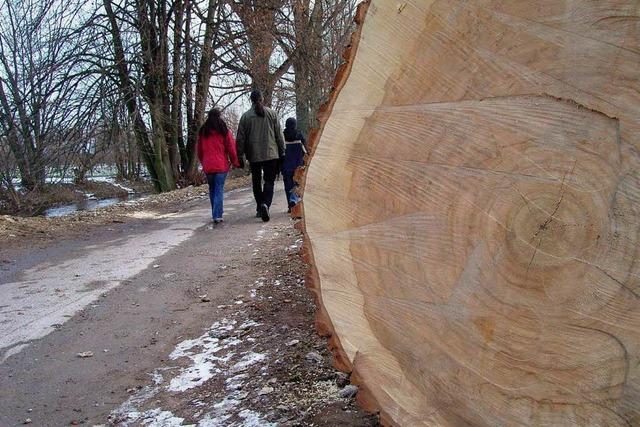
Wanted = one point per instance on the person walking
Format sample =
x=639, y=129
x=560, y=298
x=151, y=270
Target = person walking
x=216, y=148
x=259, y=139
x=293, y=158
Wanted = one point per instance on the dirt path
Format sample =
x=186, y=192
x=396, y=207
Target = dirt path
x=188, y=324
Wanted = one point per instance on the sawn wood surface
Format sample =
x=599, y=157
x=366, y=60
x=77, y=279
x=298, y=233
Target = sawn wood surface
x=472, y=212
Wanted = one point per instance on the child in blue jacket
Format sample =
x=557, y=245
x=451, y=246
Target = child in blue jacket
x=294, y=157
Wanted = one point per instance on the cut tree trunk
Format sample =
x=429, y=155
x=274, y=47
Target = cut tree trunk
x=472, y=212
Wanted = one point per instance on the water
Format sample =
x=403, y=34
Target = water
x=87, y=205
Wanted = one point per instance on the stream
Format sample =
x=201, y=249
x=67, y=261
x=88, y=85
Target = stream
x=88, y=205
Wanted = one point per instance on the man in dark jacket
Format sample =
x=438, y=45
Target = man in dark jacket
x=259, y=138
x=294, y=157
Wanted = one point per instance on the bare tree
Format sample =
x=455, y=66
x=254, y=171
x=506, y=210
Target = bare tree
x=196, y=99
x=79, y=85
x=45, y=90
x=151, y=45
x=290, y=48
x=174, y=51
x=313, y=34
x=253, y=49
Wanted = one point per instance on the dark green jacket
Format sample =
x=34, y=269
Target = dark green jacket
x=260, y=138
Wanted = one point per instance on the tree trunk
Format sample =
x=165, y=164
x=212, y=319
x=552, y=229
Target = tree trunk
x=19, y=146
x=176, y=90
x=304, y=59
x=258, y=18
x=153, y=41
x=475, y=250
x=161, y=158
x=185, y=159
x=202, y=89
x=302, y=101
x=128, y=90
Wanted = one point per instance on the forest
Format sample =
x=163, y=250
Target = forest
x=123, y=85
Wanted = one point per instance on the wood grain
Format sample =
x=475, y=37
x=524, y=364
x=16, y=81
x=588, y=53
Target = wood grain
x=472, y=212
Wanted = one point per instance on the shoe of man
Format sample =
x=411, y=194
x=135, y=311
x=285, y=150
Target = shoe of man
x=264, y=212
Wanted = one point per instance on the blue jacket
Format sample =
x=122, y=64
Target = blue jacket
x=295, y=148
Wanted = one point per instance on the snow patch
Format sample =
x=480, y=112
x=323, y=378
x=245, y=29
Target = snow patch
x=249, y=324
x=249, y=359
x=236, y=382
x=153, y=417
x=201, y=351
x=128, y=411
x=253, y=419
x=111, y=180
x=157, y=378
x=205, y=359
x=159, y=418
x=222, y=411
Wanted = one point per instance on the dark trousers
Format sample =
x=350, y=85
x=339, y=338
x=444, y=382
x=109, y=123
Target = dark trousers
x=289, y=184
x=266, y=170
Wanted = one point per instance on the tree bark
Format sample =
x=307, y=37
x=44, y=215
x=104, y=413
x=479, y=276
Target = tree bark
x=185, y=158
x=177, y=89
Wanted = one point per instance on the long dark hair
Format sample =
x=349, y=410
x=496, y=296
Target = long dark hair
x=214, y=123
x=257, y=100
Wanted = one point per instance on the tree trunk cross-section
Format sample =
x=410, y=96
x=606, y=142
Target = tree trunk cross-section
x=472, y=212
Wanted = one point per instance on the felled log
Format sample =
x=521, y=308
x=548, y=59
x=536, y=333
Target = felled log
x=472, y=212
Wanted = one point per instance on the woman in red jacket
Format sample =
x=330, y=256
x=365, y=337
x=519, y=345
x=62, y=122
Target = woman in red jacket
x=216, y=148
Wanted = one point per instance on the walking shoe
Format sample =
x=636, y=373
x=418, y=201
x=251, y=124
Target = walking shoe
x=264, y=212
x=217, y=220
x=258, y=215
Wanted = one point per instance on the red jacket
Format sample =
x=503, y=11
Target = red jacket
x=215, y=152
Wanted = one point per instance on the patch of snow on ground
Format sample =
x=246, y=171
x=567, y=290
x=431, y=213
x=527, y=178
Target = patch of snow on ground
x=157, y=378
x=248, y=324
x=205, y=360
x=236, y=382
x=111, y=180
x=253, y=419
x=196, y=375
x=204, y=363
x=159, y=418
x=128, y=411
x=222, y=411
x=260, y=234
x=249, y=359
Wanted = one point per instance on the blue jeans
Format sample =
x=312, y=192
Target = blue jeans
x=289, y=185
x=216, y=192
